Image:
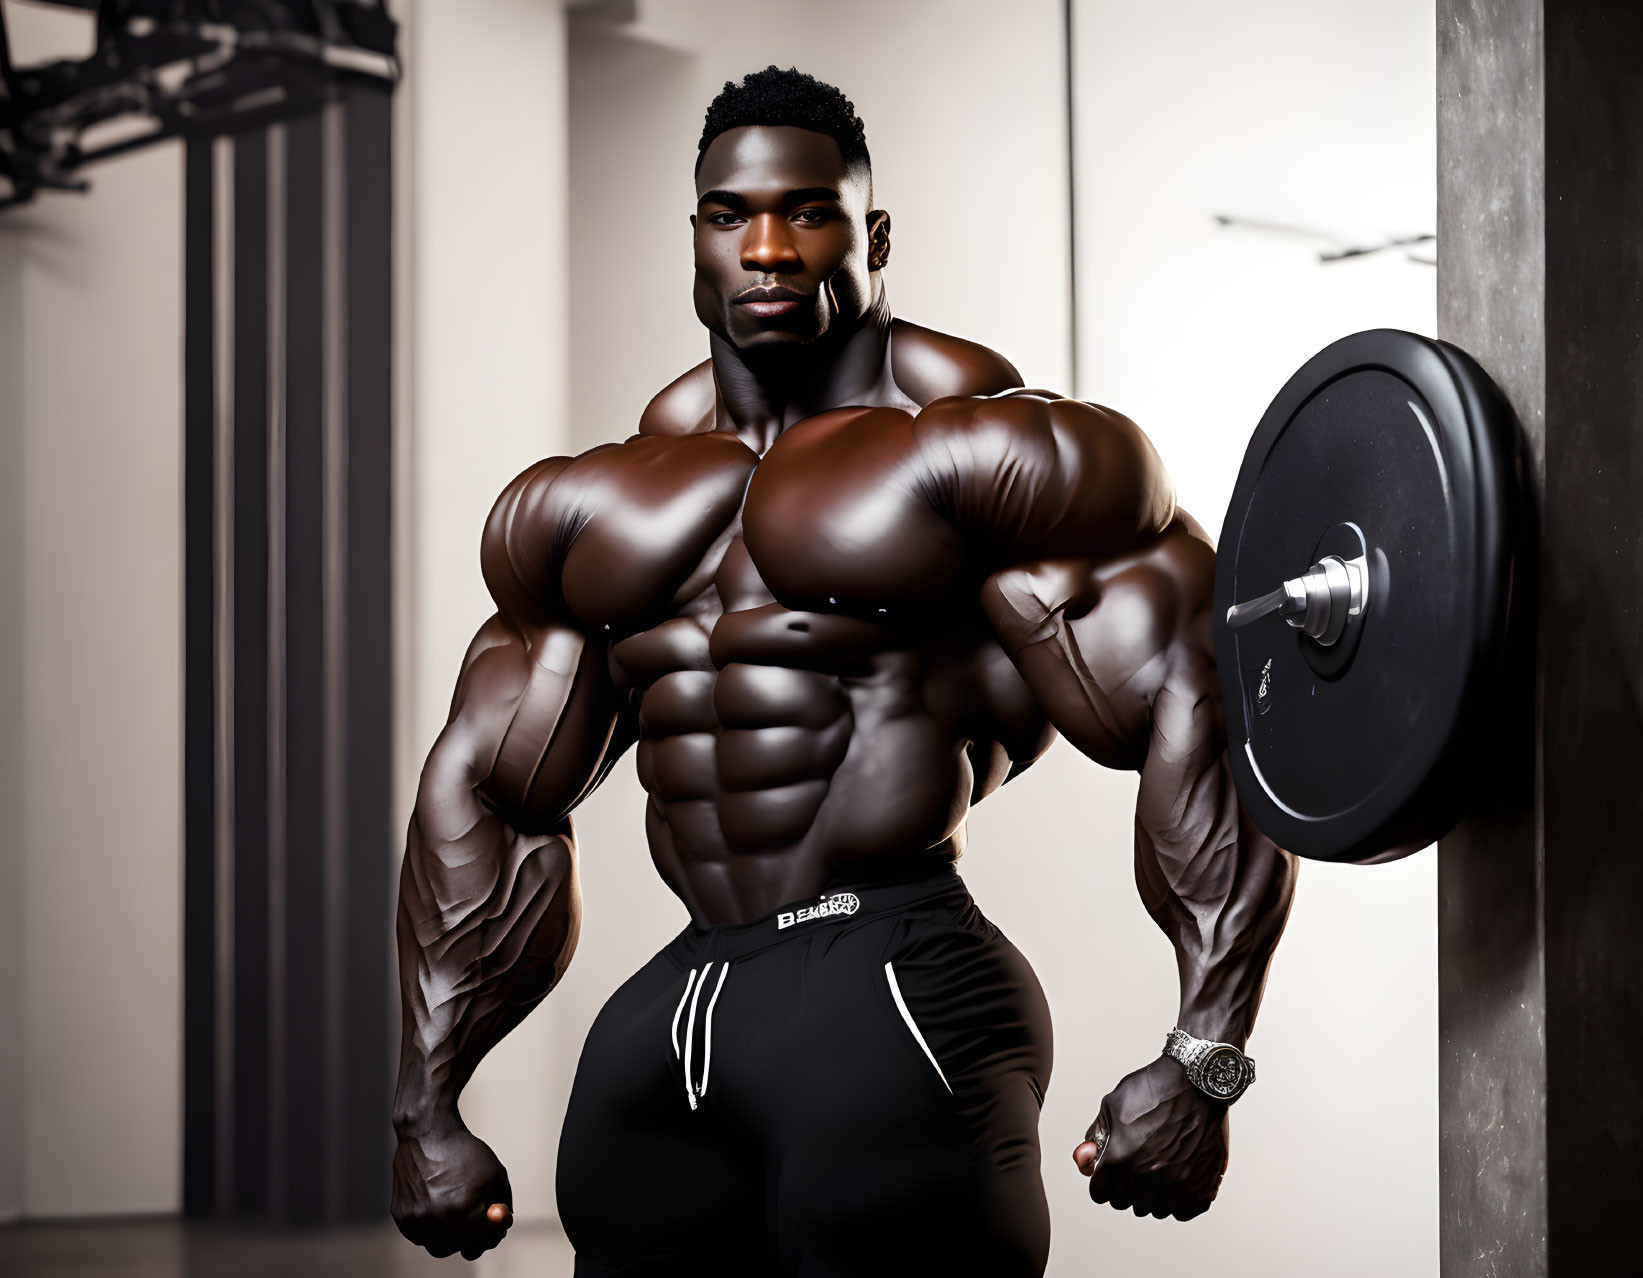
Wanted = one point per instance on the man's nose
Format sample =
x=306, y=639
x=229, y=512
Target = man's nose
x=767, y=247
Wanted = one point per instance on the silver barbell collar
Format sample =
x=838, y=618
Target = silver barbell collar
x=1318, y=603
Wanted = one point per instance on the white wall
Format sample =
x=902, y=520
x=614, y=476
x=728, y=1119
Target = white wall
x=485, y=280
x=94, y=309
x=1318, y=114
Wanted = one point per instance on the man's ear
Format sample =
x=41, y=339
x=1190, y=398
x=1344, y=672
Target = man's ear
x=693, y=224
x=878, y=240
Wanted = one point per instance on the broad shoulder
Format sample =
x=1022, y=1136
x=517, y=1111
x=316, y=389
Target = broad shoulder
x=685, y=406
x=1045, y=475
x=610, y=536
x=641, y=472
x=928, y=365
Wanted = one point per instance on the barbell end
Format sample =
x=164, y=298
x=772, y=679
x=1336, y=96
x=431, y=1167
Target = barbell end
x=1240, y=615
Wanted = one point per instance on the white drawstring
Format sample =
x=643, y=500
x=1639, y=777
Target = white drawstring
x=707, y=1029
x=692, y=995
x=679, y=1009
x=690, y=1036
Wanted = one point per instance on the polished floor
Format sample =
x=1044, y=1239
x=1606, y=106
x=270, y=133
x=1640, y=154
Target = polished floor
x=168, y=1249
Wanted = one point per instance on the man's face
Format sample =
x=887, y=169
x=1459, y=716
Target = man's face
x=781, y=234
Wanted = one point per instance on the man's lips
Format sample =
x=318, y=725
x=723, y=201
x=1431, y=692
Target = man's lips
x=767, y=303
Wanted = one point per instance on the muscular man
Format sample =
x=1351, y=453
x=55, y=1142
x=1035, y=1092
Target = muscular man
x=848, y=579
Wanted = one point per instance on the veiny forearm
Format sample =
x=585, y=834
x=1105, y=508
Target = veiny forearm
x=1218, y=888
x=1120, y=654
x=487, y=924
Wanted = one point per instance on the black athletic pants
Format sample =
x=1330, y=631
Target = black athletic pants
x=848, y=1086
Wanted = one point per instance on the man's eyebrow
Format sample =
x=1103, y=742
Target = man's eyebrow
x=719, y=196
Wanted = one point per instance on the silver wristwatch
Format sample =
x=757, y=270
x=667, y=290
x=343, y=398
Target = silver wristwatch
x=1219, y=1070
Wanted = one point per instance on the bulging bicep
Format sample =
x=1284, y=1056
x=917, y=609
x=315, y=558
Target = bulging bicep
x=535, y=718
x=1098, y=641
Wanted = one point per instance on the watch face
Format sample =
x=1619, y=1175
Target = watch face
x=1225, y=1073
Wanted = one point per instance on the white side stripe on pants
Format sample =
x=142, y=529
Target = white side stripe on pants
x=901, y=1006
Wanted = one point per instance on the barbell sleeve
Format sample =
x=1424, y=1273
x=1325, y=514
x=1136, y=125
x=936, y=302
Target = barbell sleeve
x=1240, y=615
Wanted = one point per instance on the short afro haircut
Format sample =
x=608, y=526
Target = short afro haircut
x=777, y=97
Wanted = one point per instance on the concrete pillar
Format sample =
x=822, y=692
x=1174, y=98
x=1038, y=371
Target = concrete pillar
x=1540, y=151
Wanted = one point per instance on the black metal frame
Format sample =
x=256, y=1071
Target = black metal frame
x=188, y=68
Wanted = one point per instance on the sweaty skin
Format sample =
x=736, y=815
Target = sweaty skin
x=848, y=578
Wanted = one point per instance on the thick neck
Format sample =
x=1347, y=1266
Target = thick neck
x=759, y=397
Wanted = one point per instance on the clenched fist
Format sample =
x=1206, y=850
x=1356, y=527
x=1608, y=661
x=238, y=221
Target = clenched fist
x=450, y=1191
x=1159, y=1146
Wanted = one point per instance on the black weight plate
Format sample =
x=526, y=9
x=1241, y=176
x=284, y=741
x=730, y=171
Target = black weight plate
x=1399, y=446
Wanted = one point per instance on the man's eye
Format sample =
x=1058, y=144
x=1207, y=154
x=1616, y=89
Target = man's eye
x=811, y=216
x=724, y=219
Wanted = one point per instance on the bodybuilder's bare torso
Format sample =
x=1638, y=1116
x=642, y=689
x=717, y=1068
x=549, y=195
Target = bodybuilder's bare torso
x=822, y=687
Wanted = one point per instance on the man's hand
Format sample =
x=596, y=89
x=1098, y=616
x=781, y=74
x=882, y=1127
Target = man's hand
x=450, y=1192
x=1159, y=1146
